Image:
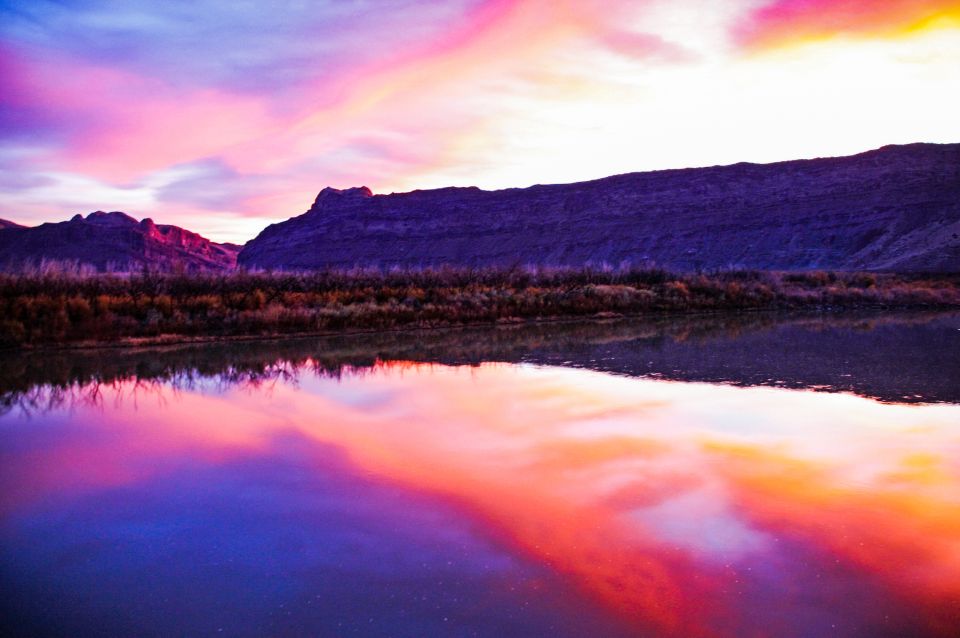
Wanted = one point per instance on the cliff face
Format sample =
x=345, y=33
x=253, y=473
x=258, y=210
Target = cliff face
x=114, y=241
x=895, y=208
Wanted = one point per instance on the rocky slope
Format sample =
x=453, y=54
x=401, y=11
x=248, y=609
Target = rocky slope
x=895, y=208
x=113, y=241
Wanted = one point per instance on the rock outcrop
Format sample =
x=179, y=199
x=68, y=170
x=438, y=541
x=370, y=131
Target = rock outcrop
x=895, y=208
x=113, y=241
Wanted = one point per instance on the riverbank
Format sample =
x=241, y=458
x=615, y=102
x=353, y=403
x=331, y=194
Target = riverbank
x=58, y=308
x=836, y=351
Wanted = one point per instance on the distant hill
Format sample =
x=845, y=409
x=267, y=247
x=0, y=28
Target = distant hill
x=113, y=241
x=4, y=224
x=895, y=208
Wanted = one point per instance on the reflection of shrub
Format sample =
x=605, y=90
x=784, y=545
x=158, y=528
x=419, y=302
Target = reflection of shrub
x=55, y=305
x=12, y=333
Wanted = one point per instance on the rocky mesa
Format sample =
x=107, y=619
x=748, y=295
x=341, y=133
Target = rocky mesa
x=113, y=242
x=894, y=208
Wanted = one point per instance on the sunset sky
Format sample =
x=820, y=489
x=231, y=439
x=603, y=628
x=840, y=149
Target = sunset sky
x=226, y=115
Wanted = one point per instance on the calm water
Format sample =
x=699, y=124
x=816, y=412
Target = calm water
x=755, y=477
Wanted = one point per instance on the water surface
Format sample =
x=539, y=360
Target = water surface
x=493, y=483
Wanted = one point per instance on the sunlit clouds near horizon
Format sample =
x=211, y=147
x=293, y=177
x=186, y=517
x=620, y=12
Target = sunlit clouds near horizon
x=224, y=116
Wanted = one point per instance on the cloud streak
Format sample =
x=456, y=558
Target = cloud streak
x=785, y=22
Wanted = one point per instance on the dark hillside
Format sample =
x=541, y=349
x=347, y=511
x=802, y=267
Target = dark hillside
x=896, y=208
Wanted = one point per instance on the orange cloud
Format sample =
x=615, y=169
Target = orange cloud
x=788, y=22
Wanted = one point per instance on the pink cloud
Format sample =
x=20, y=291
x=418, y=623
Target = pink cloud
x=645, y=46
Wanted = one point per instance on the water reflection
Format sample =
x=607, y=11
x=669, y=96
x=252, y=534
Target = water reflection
x=589, y=501
x=495, y=499
x=905, y=357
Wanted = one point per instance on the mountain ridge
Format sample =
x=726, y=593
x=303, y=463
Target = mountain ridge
x=113, y=241
x=892, y=208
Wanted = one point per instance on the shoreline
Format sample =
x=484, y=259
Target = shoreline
x=730, y=348
x=798, y=313
x=64, y=311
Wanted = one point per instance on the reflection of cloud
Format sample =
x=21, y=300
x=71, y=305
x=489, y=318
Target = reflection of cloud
x=702, y=522
x=295, y=528
x=639, y=492
x=906, y=532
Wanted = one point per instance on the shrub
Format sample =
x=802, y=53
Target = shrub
x=55, y=305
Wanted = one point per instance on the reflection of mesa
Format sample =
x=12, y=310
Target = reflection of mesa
x=892, y=357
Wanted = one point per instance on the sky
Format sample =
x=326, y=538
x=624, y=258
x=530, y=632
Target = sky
x=223, y=116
